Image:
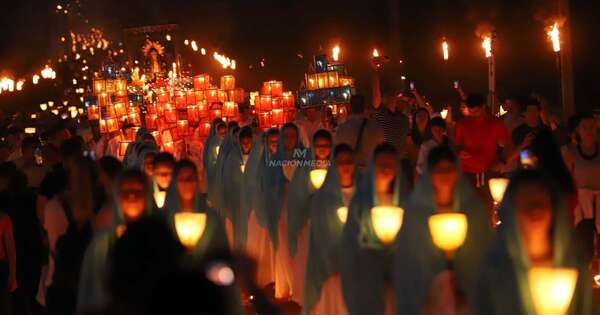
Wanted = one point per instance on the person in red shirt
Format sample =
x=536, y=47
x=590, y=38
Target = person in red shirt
x=478, y=137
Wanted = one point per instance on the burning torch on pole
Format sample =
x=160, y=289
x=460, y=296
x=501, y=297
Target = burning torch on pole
x=554, y=36
x=488, y=46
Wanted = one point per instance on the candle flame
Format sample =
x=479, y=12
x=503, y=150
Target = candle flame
x=487, y=46
x=445, y=50
x=375, y=53
x=335, y=53
x=554, y=34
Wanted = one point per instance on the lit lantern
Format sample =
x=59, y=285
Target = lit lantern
x=266, y=88
x=254, y=98
x=278, y=117
x=156, y=135
x=159, y=198
x=444, y=113
x=287, y=100
x=265, y=103
x=202, y=109
x=183, y=127
x=317, y=177
x=30, y=130
x=333, y=79
x=151, y=109
x=112, y=125
x=164, y=97
x=227, y=82
x=166, y=136
x=222, y=96
x=43, y=106
x=386, y=221
x=202, y=82
x=238, y=95
x=180, y=100
x=103, y=99
x=110, y=86
x=552, y=289
x=123, y=148
x=204, y=129
x=276, y=103
x=264, y=120
x=229, y=109
x=102, y=126
x=311, y=82
x=346, y=81
x=190, y=98
x=120, y=109
x=80, y=111
x=199, y=96
x=55, y=111
x=448, y=231
x=190, y=227
x=276, y=88
x=99, y=86
x=216, y=111
x=93, y=113
x=151, y=121
x=497, y=188
x=170, y=115
x=193, y=114
x=290, y=114
x=120, y=86
x=134, y=119
x=243, y=167
x=322, y=80
x=212, y=96
x=342, y=214
x=169, y=147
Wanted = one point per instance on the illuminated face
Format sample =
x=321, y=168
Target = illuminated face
x=148, y=168
x=322, y=148
x=534, y=210
x=290, y=138
x=246, y=145
x=587, y=130
x=444, y=175
x=132, y=199
x=272, y=141
x=344, y=163
x=162, y=175
x=438, y=133
x=187, y=184
x=386, y=166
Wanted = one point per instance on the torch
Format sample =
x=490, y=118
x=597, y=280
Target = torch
x=488, y=46
x=554, y=36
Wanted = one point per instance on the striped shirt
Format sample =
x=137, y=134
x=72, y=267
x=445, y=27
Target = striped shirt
x=395, y=127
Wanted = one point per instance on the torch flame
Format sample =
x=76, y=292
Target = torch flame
x=375, y=53
x=554, y=34
x=335, y=53
x=445, y=50
x=487, y=46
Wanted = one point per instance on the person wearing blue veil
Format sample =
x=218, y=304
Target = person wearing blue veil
x=183, y=195
x=535, y=232
x=143, y=142
x=233, y=170
x=132, y=201
x=322, y=289
x=218, y=130
x=252, y=210
x=418, y=264
x=366, y=262
x=221, y=192
x=275, y=177
x=300, y=191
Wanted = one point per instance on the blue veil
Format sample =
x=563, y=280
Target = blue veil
x=417, y=260
x=365, y=261
x=506, y=264
x=209, y=157
x=220, y=190
x=92, y=291
x=273, y=181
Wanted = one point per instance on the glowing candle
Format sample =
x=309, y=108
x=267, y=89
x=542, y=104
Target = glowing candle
x=448, y=231
x=342, y=214
x=497, y=188
x=43, y=106
x=552, y=289
x=317, y=177
x=387, y=221
x=444, y=113
x=190, y=227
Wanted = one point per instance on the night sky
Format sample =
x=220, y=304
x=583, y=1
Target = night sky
x=249, y=30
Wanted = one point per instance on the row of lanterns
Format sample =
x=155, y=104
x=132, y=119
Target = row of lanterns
x=273, y=106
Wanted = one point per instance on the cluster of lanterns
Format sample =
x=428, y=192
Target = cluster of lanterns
x=273, y=106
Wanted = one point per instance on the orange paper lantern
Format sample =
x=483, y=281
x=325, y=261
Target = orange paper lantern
x=229, y=109
x=183, y=128
x=99, y=86
x=264, y=120
x=311, y=82
x=164, y=97
x=93, y=113
x=123, y=148
x=212, y=96
x=191, y=98
x=180, y=100
x=120, y=109
x=193, y=114
x=276, y=88
x=151, y=121
x=112, y=125
x=204, y=129
x=102, y=126
x=199, y=96
x=322, y=80
x=265, y=103
x=277, y=117
x=202, y=82
x=103, y=99
x=287, y=100
x=134, y=119
x=227, y=82
x=276, y=103
x=170, y=115
x=333, y=80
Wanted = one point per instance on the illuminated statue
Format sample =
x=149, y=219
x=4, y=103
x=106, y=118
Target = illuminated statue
x=154, y=52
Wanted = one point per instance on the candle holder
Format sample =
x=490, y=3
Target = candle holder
x=387, y=222
x=190, y=227
x=317, y=177
x=497, y=189
x=552, y=289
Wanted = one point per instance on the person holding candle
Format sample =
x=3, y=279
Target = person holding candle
x=275, y=178
x=301, y=189
x=253, y=208
x=183, y=195
x=535, y=233
x=366, y=259
x=162, y=172
x=233, y=171
x=133, y=201
x=322, y=289
x=419, y=266
x=217, y=133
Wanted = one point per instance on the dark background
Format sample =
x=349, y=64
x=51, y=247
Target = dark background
x=249, y=30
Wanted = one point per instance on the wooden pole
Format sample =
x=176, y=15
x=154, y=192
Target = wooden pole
x=566, y=61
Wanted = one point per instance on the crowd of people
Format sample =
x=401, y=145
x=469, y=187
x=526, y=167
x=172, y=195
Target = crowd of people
x=84, y=232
